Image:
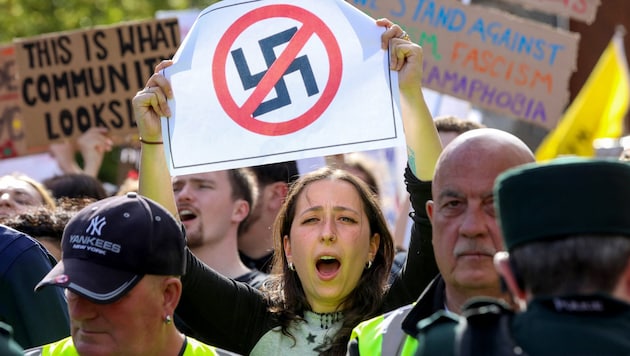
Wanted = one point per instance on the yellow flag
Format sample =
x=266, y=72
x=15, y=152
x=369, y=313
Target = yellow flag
x=597, y=111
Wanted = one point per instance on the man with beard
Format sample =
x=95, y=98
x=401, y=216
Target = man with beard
x=213, y=207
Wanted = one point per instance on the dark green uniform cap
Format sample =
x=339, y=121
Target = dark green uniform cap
x=565, y=196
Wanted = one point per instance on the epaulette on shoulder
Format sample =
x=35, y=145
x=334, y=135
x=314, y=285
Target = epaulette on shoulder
x=440, y=317
x=482, y=329
x=485, y=329
x=485, y=307
x=435, y=332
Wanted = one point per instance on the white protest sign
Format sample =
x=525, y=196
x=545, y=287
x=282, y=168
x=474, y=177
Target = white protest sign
x=258, y=82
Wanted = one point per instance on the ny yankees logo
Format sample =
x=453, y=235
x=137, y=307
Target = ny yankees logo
x=250, y=80
x=96, y=225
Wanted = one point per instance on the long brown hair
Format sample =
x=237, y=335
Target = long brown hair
x=284, y=288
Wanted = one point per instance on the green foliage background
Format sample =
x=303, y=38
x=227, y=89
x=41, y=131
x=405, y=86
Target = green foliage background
x=25, y=18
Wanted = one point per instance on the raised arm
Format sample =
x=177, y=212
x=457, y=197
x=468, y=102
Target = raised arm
x=215, y=307
x=150, y=104
x=423, y=150
x=93, y=144
x=423, y=142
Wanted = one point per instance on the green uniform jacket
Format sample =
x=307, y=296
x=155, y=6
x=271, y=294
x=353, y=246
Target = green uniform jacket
x=570, y=325
x=574, y=325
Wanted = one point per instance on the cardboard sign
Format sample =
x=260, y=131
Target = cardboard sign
x=11, y=134
x=71, y=81
x=257, y=82
x=495, y=60
x=583, y=10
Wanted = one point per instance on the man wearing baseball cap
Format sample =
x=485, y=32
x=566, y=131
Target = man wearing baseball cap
x=566, y=226
x=121, y=265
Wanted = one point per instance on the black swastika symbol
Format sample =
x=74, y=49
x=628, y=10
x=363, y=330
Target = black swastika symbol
x=250, y=80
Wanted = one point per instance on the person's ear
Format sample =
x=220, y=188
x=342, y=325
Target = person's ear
x=241, y=210
x=622, y=290
x=287, y=248
x=171, y=291
x=429, y=206
x=505, y=270
x=375, y=242
x=278, y=191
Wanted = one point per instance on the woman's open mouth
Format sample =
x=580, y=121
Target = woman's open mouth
x=327, y=267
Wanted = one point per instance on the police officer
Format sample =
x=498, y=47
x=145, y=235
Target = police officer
x=566, y=227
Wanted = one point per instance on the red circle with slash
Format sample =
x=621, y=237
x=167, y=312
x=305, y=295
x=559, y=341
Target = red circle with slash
x=311, y=26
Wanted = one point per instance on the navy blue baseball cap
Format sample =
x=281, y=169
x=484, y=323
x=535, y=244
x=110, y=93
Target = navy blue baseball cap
x=109, y=245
